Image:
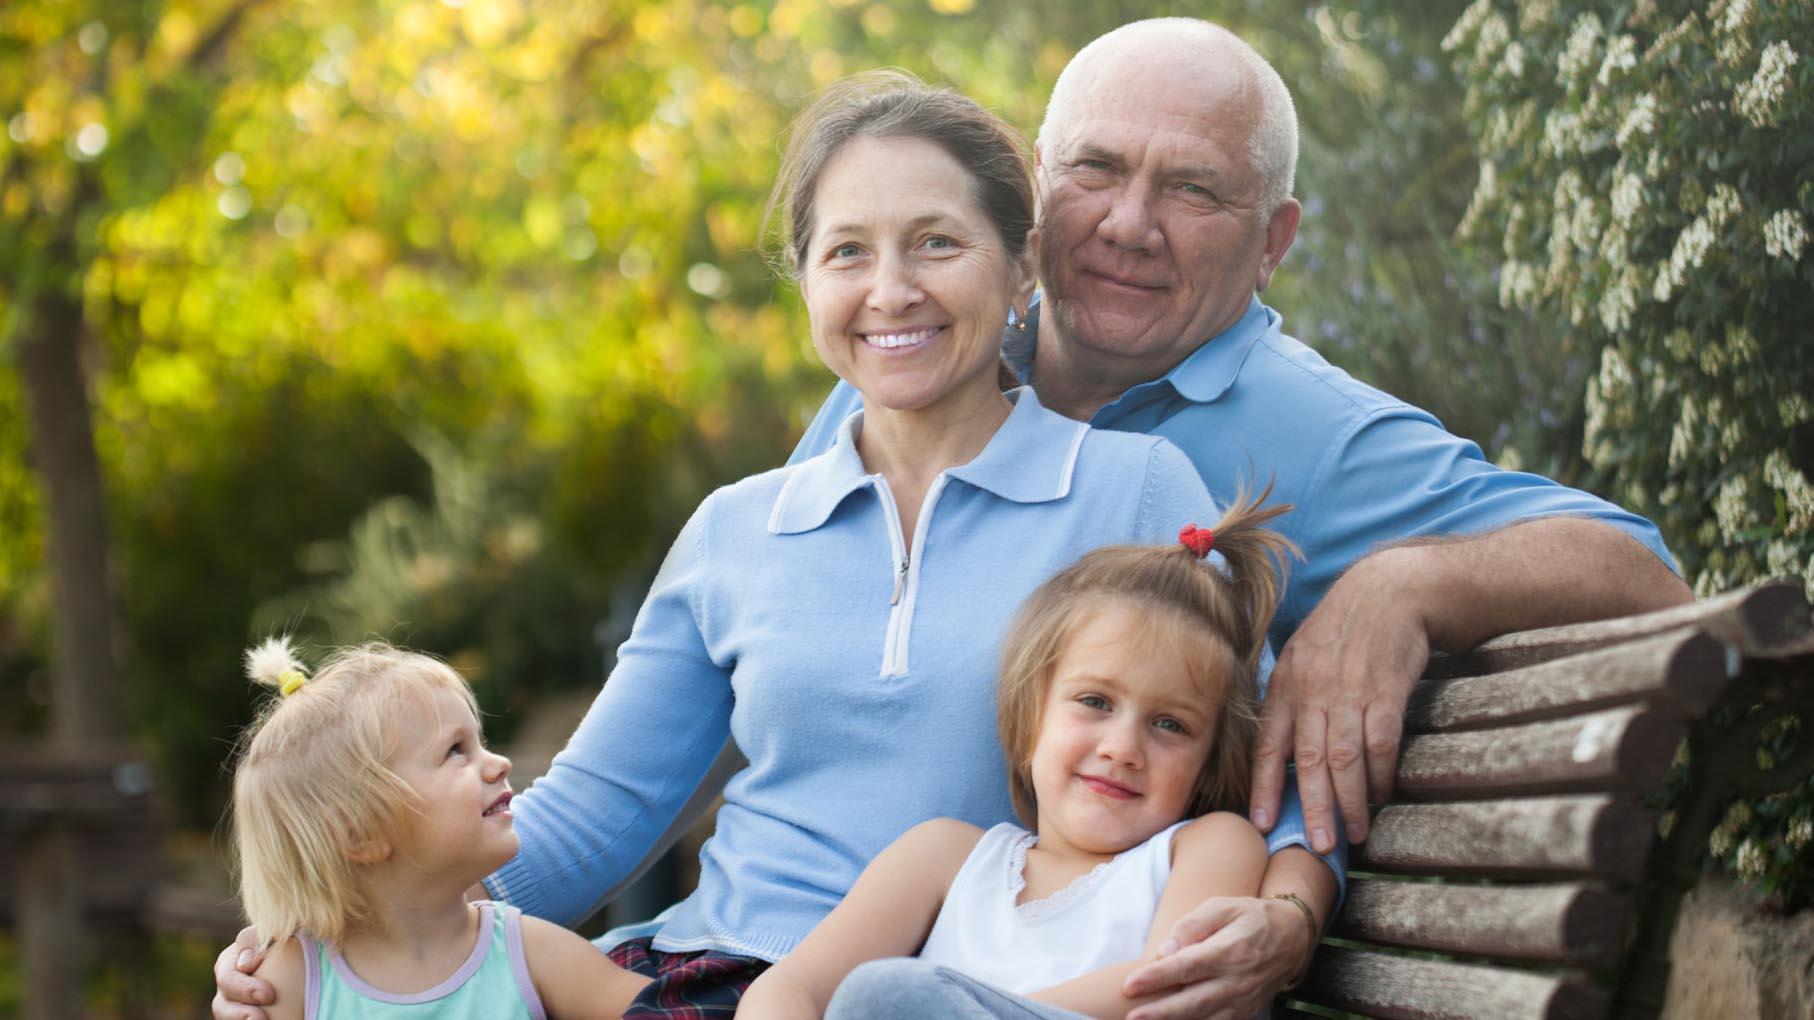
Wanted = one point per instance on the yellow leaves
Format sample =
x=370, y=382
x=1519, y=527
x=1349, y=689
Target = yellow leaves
x=952, y=6
x=356, y=252
x=487, y=23
x=826, y=67
x=880, y=22
x=745, y=20
x=177, y=32
x=542, y=222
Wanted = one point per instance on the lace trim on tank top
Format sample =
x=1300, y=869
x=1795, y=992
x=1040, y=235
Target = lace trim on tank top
x=1077, y=889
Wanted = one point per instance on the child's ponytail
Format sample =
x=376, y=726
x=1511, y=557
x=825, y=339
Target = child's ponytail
x=1258, y=560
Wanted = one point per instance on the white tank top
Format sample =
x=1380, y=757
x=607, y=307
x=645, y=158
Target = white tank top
x=1101, y=918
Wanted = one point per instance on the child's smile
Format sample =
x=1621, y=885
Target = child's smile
x=1124, y=735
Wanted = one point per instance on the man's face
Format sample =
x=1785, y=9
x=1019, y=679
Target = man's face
x=1152, y=235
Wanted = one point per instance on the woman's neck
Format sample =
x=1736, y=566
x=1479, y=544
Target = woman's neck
x=910, y=448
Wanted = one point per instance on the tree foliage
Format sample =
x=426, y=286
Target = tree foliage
x=1645, y=189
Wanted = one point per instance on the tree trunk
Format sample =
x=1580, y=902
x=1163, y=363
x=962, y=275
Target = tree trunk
x=85, y=706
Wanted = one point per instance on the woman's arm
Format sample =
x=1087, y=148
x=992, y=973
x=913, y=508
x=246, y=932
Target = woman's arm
x=1217, y=855
x=647, y=741
x=575, y=980
x=888, y=912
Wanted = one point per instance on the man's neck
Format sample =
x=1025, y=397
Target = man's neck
x=1076, y=381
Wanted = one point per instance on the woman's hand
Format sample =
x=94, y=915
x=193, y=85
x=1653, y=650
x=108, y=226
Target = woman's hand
x=1232, y=956
x=237, y=994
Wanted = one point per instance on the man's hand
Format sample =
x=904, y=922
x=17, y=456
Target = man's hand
x=1235, y=955
x=237, y=994
x=1336, y=702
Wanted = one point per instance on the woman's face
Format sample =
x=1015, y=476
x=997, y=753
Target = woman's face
x=906, y=280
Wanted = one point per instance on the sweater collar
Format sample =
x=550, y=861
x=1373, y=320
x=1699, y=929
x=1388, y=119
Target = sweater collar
x=1030, y=459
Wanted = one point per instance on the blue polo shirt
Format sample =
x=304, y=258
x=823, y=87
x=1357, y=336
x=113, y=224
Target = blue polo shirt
x=855, y=667
x=1360, y=467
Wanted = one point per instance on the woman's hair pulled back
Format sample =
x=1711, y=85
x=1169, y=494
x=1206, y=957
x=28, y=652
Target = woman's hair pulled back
x=895, y=104
x=1182, y=595
x=313, y=783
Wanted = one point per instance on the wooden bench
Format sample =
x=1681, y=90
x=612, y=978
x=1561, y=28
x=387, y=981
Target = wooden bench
x=1518, y=870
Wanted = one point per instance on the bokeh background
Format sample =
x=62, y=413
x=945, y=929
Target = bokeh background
x=431, y=319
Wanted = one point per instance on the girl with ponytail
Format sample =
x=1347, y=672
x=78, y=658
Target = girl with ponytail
x=1127, y=707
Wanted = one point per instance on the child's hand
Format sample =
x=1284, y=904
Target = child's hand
x=237, y=993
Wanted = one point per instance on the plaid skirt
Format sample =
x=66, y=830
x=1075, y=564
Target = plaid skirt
x=685, y=986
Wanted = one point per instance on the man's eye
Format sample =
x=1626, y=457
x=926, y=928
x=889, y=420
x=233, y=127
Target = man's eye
x=940, y=243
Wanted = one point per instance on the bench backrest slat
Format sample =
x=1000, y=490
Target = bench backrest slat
x=1616, y=750
x=1684, y=668
x=1381, y=984
x=1535, y=837
x=1576, y=923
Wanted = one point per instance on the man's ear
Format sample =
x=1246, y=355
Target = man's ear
x=1281, y=230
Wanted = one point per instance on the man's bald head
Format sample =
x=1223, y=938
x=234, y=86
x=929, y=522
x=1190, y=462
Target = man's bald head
x=1191, y=48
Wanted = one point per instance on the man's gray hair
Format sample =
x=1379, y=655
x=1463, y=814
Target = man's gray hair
x=1273, y=145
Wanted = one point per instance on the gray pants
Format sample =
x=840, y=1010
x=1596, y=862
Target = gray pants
x=906, y=989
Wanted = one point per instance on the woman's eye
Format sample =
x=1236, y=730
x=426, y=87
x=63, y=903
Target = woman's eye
x=846, y=251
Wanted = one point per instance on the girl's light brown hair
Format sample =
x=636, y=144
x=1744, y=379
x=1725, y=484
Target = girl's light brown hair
x=313, y=784
x=1185, y=595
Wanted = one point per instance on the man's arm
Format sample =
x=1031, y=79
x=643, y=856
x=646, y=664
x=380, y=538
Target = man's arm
x=1337, y=699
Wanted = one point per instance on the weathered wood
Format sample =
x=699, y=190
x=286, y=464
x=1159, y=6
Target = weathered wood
x=1682, y=670
x=1617, y=750
x=1381, y=984
x=1573, y=923
x=1533, y=837
x=1767, y=620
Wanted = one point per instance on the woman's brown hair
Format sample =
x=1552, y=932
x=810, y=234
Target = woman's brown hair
x=1186, y=595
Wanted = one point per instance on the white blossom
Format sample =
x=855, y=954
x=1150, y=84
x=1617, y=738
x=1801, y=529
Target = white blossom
x=1723, y=205
x=1794, y=409
x=1785, y=235
x=1801, y=832
x=1494, y=34
x=1578, y=53
x=1751, y=860
x=1684, y=437
x=1511, y=62
x=1619, y=301
x=1466, y=25
x=1640, y=120
x=1562, y=134
x=1691, y=247
x=1732, y=507
x=1734, y=40
x=1627, y=199
x=1798, y=495
x=1535, y=14
x=1757, y=100
x=1621, y=56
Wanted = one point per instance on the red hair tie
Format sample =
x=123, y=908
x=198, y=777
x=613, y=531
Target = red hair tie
x=1198, y=540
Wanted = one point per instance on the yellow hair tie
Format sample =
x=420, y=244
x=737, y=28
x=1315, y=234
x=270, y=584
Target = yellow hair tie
x=290, y=681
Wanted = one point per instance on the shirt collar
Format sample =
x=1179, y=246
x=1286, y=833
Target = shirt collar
x=1202, y=377
x=1030, y=459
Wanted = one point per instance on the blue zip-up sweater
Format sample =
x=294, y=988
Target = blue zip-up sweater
x=854, y=666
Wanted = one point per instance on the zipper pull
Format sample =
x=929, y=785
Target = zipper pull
x=900, y=581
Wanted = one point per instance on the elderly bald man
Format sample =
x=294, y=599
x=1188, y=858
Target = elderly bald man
x=1165, y=167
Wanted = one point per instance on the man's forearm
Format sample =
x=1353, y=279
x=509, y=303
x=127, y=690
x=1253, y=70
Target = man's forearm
x=1538, y=573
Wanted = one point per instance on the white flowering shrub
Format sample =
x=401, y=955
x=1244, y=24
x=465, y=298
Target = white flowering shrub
x=1646, y=185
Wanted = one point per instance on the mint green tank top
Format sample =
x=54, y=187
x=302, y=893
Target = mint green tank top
x=493, y=983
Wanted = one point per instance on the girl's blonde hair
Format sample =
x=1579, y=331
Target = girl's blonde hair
x=1187, y=596
x=313, y=783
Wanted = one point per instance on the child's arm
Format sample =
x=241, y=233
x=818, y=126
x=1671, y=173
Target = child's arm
x=888, y=912
x=574, y=979
x=283, y=967
x=1221, y=854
